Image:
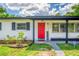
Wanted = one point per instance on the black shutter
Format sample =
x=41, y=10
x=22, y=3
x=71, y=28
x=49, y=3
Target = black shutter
x=0, y=26
x=13, y=25
x=28, y=26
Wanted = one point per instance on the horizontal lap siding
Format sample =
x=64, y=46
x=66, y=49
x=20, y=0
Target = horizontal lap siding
x=7, y=29
x=58, y=35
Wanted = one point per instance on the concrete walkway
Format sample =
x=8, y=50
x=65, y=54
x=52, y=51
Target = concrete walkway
x=58, y=51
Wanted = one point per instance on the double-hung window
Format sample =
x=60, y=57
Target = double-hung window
x=62, y=27
x=55, y=27
x=71, y=27
x=21, y=26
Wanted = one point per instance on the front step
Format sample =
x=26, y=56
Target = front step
x=40, y=41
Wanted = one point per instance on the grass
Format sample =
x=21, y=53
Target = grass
x=69, y=49
x=32, y=50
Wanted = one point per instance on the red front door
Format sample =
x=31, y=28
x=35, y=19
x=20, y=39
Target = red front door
x=41, y=31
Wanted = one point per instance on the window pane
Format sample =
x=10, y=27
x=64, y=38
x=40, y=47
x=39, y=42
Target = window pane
x=55, y=27
x=77, y=27
x=71, y=27
x=62, y=27
x=21, y=26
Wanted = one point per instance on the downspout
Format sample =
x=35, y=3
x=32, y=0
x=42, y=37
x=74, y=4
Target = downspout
x=33, y=31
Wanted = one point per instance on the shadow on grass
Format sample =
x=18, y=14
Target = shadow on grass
x=39, y=47
x=68, y=46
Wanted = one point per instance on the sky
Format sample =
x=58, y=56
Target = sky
x=37, y=9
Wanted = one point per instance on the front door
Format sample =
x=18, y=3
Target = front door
x=41, y=31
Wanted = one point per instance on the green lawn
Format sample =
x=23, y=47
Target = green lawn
x=69, y=49
x=32, y=50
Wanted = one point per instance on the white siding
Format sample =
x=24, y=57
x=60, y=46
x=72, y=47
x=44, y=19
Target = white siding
x=58, y=35
x=7, y=30
x=73, y=35
x=48, y=27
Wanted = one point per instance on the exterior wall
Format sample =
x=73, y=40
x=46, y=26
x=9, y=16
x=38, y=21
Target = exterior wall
x=56, y=34
x=48, y=27
x=73, y=34
x=7, y=29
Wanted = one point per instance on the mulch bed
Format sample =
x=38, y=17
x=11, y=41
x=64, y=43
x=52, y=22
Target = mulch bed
x=16, y=46
x=13, y=43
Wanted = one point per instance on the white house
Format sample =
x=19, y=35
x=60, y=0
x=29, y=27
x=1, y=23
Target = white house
x=43, y=28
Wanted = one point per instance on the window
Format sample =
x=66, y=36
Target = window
x=0, y=26
x=62, y=27
x=23, y=26
x=71, y=27
x=77, y=27
x=13, y=26
x=55, y=27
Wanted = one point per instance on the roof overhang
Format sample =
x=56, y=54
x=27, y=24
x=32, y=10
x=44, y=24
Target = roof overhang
x=45, y=18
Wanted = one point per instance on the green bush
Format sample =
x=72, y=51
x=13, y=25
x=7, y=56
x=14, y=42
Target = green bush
x=20, y=35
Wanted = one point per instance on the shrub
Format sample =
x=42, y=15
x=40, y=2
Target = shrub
x=19, y=38
x=20, y=35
